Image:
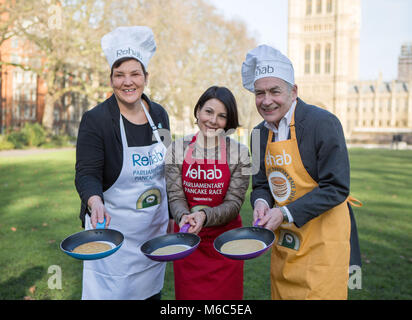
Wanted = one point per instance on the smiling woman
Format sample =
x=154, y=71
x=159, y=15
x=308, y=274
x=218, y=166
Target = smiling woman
x=206, y=188
x=216, y=109
x=114, y=138
x=128, y=79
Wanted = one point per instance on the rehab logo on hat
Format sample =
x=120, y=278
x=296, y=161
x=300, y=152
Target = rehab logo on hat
x=264, y=70
x=120, y=53
x=135, y=42
x=265, y=61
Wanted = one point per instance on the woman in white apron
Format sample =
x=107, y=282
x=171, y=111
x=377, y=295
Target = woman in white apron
x=120, y=172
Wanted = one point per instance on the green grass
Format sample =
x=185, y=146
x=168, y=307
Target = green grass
x=40, y=206
x=382, y=179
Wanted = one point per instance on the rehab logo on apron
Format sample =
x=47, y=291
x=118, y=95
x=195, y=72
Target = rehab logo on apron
x=281, y=185
x=149, y=198
x=288, y=239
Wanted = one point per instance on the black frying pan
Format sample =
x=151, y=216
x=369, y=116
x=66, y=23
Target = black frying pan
x=257, y=233
x=189, y=240
x=113, y=237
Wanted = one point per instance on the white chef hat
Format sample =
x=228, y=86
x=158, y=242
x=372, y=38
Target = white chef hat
x=265, y=61
x=135, y=42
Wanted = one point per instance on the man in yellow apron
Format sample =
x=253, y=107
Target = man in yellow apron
x=301, y=191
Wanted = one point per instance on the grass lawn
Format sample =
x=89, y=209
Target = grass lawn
x=40, y=206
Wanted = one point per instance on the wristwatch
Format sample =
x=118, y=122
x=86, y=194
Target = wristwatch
x=285, y=214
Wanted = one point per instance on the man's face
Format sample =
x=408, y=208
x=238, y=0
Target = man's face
x=274, y=97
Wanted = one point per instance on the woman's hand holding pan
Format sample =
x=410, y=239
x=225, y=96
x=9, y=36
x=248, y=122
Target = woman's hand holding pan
x=98, y=211
x=195, y=220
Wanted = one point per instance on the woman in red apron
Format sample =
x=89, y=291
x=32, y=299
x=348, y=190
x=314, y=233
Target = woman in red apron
x=206, y=188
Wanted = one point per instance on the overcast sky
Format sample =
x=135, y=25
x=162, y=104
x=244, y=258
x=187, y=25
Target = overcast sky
x=386, y=24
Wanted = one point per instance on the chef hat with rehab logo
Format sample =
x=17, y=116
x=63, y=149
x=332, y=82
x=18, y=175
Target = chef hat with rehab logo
x=264, y=61
x=134, y=42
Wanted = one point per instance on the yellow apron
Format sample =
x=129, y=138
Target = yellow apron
x=311, y=262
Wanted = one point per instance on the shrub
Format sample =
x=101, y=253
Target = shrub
x=18, y=139
x=35, y=134
x=5, y=144
x=58, y=141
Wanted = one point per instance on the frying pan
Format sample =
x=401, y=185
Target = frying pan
x=113, y=237
x=181, y=238
x=257, y=233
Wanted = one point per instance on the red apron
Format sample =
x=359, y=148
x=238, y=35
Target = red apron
x=205, y=274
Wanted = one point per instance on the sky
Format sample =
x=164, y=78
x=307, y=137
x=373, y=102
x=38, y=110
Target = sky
x=385, y=26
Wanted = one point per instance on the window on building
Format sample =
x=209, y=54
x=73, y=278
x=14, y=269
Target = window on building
x=14, y=43
x=317, y=59
x=308, y=7
x=307, y=59
x=327, y=58
x=329, y=6
x=15, y=58
x=56, y=114
x=318, y=6
x=24, y=92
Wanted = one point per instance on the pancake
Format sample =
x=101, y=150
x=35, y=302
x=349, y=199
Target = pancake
x=92, y=247
x=242, y=246
x=171, y=249
x=280, y=187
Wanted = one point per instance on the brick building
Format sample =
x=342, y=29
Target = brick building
x=22, y=91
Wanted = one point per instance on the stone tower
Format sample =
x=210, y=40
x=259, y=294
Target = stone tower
x=323, y=44
x=405, y=63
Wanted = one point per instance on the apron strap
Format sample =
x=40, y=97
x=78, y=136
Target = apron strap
x=123, y=136
x=354, y=202
x=152, y=125
x=154, y=128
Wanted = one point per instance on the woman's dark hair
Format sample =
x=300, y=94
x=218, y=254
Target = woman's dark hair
x=119, y=62
x=225, y=96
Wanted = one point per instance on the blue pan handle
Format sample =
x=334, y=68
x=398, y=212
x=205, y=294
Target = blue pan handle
x=101, y=225
x=185, y=228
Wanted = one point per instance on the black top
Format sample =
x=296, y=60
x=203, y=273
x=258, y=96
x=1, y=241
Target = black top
x=138, y=135
x=99, y=150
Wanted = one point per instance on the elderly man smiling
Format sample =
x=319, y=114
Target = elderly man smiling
x=301, y=191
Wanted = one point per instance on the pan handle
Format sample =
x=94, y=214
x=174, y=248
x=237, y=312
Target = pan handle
x=256, y=223
x=185, y=227
x=101, y=225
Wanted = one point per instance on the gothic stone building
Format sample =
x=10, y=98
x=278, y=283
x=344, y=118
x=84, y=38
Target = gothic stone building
x=323, y=44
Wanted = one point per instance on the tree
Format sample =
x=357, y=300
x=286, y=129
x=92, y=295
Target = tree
x=197, y=48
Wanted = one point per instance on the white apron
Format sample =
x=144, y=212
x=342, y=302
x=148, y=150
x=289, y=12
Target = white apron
x=137, y=204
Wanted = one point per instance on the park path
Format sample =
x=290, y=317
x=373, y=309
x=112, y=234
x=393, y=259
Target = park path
x=24, y=152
